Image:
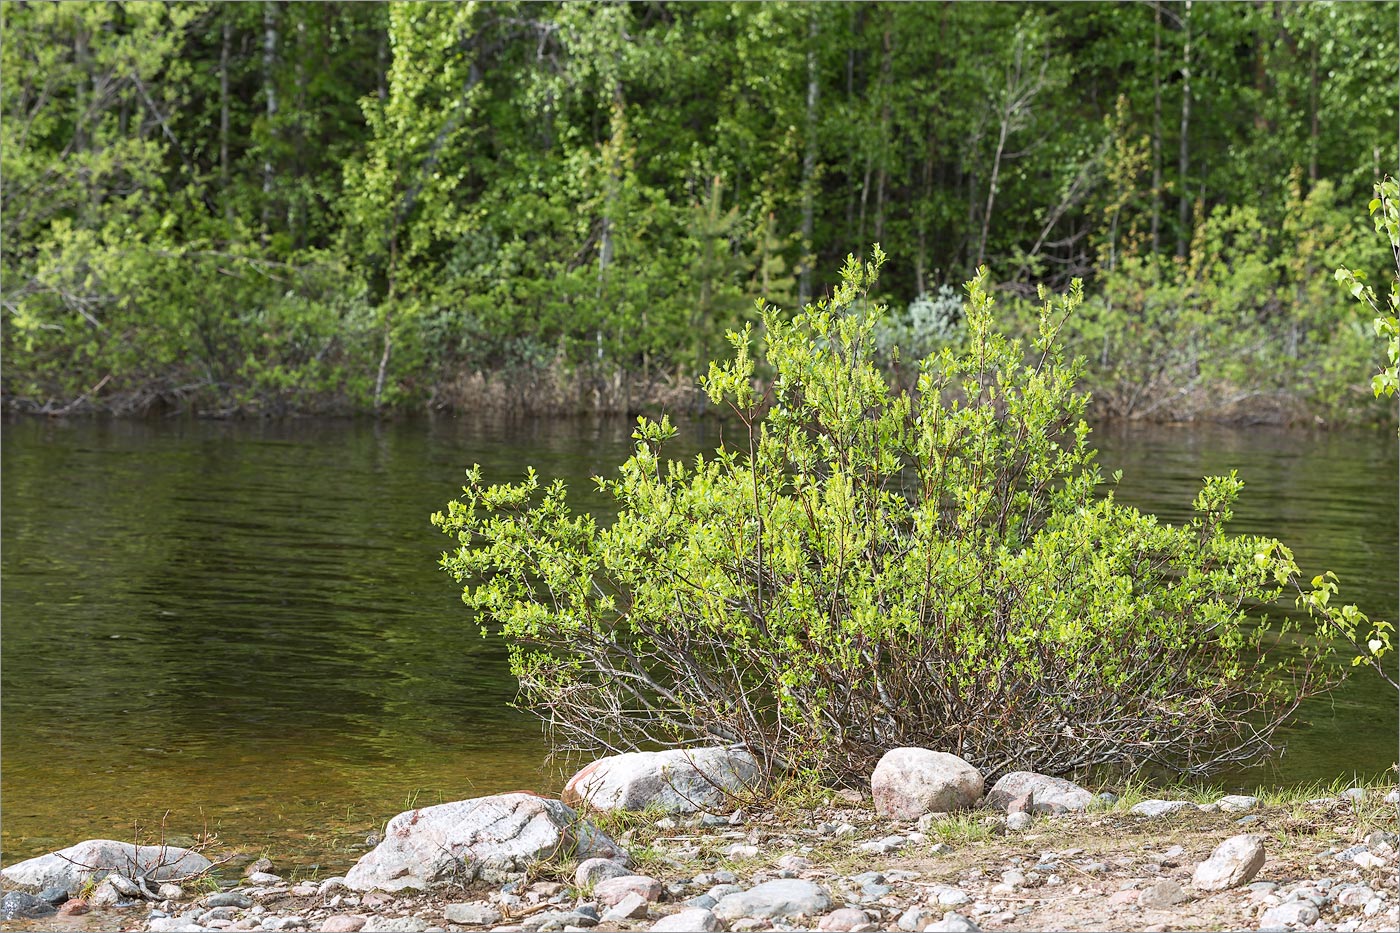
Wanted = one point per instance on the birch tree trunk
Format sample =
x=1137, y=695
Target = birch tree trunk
x=1184, y=156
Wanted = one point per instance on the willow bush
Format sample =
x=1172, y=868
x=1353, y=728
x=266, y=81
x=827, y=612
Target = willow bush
x=868, y=568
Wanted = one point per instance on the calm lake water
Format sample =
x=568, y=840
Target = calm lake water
x=240, y=627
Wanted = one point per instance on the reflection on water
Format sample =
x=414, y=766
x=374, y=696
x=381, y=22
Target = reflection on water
x=243, y=623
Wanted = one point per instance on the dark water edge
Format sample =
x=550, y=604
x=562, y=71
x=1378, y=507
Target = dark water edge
x=241, y=622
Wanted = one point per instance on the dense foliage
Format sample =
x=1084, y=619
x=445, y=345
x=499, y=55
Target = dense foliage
x=319, y=205
x=868, y=568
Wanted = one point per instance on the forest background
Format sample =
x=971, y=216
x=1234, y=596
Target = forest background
x=266, y=208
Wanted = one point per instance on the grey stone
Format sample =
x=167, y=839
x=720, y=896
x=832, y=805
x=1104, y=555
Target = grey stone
x=262, y=878
x=843, y=920
x=1106, y=799
x=1237, y=803
x=1018, y=822
x=952, y=923
x=724, y=876
x=946, y=895
x=17, y=905
x=687, y=921
x=909, y=782
x=720, y=891
x=1393, y=797
x=678, y=780
x=171, y=892
x=786, y=898
x=1355, y=895
x=1234, y=862
x=595, y=870
x=631, y=907
x=882, y=846
x=1162, y=895
x=1156, y=808
x=333, y=883
x=916, y=918
x=107, y=895
x=487, y=838
x=173, y=925
x=1288, y=916
x=700, y=902
x=1356, y=794
x=1045, y=790
x=1350, y=854
x=874, y=892
x=56, y=894
x=73, y=867
x=391, y=925
x=611, y=891
x=228, y=899
x=476, y=913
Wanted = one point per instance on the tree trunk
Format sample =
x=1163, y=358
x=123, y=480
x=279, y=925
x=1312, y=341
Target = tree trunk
x=270, y=100
x=1156, y=125
x=225, y=50
x=1313, y=123
x=1184, y=156
x=886, y=69
x=992, y=191
x=809, y=166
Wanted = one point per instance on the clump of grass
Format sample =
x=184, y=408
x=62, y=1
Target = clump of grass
x=961, y=828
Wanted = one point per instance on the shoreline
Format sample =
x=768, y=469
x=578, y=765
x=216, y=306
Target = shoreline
x=1106, y=868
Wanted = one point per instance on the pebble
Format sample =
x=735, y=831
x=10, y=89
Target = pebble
x=1161, y=896
x=946, y=895
x=1018, y=821
x=1353, y=794
x=843, y=920
x=741, y=850
x=687, y=921
x=476, y=913
x=1393, y=797
x=720, y=891
x=952, y=923
x=883, y=846
x=613, y=891
x=262, y=877
x=1355, y=895
x=1287, y=916
x=631, y=906
x=346, y=923
x=228, y=899
x=783, y=898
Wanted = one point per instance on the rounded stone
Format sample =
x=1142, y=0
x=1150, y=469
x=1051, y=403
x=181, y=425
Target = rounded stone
x=909, y=782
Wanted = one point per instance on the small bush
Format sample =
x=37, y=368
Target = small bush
x=868, y=568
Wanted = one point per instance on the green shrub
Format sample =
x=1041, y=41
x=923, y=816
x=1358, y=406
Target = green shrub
x=868, y=568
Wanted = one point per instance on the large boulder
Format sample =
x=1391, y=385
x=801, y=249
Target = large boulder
x=679, y=780
x=485, y=838
x=909, y=782
x=73, y=867
x=1045, y=791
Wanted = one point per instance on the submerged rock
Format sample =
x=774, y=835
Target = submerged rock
x=17, y=905
x=909, y=782
x=678, y=780
x=485, y=838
